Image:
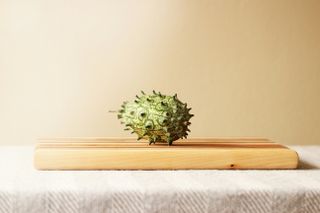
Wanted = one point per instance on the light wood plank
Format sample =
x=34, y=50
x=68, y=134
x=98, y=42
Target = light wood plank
x=134, y=140
x=277, y=158
x=160, y=145
x=196, y=153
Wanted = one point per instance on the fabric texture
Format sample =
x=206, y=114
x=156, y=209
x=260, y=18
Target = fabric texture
x=23, y=189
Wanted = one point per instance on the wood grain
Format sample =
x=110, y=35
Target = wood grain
x=196, y=153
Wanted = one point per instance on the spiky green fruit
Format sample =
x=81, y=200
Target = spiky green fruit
x=156, y=117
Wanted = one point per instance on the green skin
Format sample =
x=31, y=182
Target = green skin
x=156, y=117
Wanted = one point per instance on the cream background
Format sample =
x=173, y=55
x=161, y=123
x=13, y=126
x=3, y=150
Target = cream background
x=246, y=67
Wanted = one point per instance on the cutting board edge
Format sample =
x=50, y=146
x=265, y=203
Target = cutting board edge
x=96, y=159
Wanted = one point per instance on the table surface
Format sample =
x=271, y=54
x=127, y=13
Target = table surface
x=24, y=189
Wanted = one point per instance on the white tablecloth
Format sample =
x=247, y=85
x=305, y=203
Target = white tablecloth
x=24, y=189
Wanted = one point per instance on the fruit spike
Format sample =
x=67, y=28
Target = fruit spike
x=156, y=117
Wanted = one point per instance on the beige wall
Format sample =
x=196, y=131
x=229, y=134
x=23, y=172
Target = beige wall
x=246, y=67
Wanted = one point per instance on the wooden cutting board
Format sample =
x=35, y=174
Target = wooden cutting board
x=196, y=153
